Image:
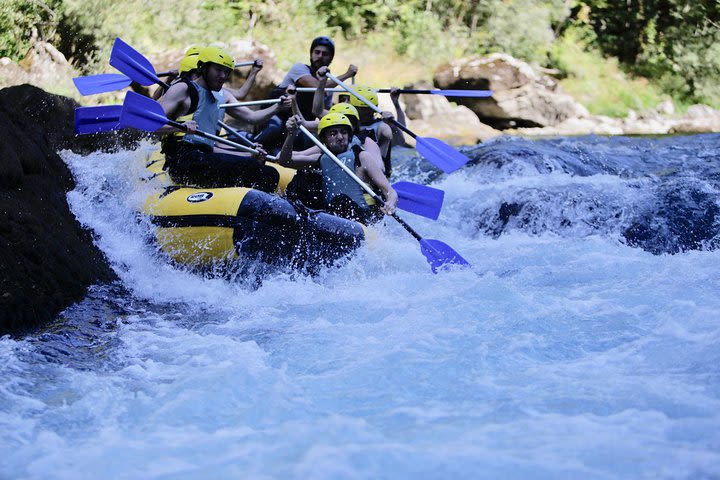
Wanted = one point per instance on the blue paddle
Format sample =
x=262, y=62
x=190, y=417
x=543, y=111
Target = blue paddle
x=438, y=254
x=97, y=119
x=444, y=93
x=133, y=64
x=419, y=199
x=144, y=113
x=108, y=82
x=102, y=119
x=433, y=150
x=105, y=82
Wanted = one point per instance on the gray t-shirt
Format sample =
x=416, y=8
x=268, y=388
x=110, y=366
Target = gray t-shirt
x=298, y=71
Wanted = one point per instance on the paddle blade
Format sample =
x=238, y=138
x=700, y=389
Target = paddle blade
x=106, y=82
x=439, y=255
x=419, y=199
x=463, y=93
x=97, y=119
x=132, y=63
x=440, y=154
x=142, y=113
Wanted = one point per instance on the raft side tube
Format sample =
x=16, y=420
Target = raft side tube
x=202, y=226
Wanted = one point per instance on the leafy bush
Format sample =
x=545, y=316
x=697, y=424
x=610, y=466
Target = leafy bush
x=600, y=83
x=674, y=41
x=23, y=20
x=522, y=29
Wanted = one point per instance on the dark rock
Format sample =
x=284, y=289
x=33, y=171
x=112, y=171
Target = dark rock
x=47, y=260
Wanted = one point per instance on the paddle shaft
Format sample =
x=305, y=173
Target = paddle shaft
x=236, y=133
x=367, y=102
x=252, y=102
x=357, y=179
x=170, y=72
x=242, y=138
x=456, y=93
x=200, y=133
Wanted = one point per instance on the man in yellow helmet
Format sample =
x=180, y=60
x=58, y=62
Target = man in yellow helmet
x=341, y=195
x=193, y=159
x=375, y=134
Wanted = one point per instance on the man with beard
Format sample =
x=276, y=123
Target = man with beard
x=190, y=158
x=341, y=195
x=322, y=51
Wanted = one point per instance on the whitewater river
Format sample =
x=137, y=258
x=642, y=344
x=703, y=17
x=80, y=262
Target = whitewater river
x=584, y=343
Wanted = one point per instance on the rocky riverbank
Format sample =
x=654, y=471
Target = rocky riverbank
x=531, y=103
x=526, y=101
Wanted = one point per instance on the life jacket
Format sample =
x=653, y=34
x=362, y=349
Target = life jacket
x=170, y=142
x=204, y=111
x=207, y=114
x=336, y=181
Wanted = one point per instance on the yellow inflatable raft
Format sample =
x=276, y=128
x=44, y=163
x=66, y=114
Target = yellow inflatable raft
x=206, y=226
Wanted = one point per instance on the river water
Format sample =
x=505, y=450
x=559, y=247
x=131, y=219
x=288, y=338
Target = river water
x=584, y=343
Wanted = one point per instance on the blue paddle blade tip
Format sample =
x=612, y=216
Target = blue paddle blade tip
x=141, y=112
x=419, y=199
x=132, y=63
x=441, y=256
x=97, y=119
x=440, y=154
x=105, y=82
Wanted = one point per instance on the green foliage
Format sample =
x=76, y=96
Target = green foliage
x=358, y=17
x=23, y=20
x=420, y=35
x=673, y=41
x=425, y=27
x=599, y=83
x=501, y=33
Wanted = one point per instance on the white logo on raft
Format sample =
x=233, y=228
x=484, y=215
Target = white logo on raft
x=199, y=197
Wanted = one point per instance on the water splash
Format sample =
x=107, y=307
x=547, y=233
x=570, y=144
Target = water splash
x=565, y=353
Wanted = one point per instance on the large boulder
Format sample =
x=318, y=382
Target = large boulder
x=47, y=260
x=698, y=118
x=434, y=115
x=521, y=97
x=43, y=66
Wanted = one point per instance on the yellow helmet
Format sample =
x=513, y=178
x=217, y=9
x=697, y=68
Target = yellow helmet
x=332, y=120
x=346, y=109
x=194, y=50
x=216, y=55
x=366, y=92
x=189, y=62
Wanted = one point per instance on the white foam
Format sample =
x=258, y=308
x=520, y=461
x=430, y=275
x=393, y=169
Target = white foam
x=553, y=358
